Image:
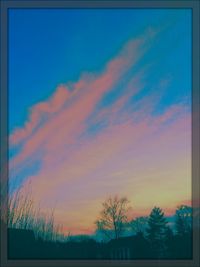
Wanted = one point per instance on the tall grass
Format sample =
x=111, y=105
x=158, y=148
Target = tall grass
x=22, y=214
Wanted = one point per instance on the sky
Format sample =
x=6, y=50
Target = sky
x=100, y=105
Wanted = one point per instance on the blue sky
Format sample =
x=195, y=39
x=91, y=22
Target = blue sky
x=48, y=47
x=99, y=105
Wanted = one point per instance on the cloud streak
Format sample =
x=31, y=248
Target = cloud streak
x=128, y=145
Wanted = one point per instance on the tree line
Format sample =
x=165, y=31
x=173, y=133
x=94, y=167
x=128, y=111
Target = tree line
x=154, y=230
x=152, y=236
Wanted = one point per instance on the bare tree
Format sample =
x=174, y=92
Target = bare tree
x=113, y=217
x=22, y=214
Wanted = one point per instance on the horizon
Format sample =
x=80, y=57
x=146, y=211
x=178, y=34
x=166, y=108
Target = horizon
x=100, y=106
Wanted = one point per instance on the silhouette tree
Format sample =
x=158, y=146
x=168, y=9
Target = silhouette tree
x=139, y=225
x=183, y=220
x=184, y=231
x=156, y=232
x=113, y=217
x=169, y=241
x=141, y=248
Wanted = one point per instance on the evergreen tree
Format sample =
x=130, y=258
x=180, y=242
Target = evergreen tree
x=156, y=232
x=184, y=231
x=183, y=220
x=169, y=241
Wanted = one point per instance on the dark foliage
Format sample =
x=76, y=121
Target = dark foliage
x=157, y=231
x=156, y=240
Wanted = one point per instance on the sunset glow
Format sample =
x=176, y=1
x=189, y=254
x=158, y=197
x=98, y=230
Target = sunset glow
x=120, y=127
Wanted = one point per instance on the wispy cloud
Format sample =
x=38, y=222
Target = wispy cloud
x=67, y=111
x=130, y=150
x=37, y=112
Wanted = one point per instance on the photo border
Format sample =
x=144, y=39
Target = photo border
x=191, y=4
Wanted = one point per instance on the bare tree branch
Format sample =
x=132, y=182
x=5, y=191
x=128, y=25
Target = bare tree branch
x=113, y=216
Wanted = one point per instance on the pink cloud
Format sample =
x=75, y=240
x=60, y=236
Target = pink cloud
x=98, y=84
x=47, y=107
x=79, y=170
x=85, y=173
x=70, y=120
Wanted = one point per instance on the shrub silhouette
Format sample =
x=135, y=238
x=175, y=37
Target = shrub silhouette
x=139, y=225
